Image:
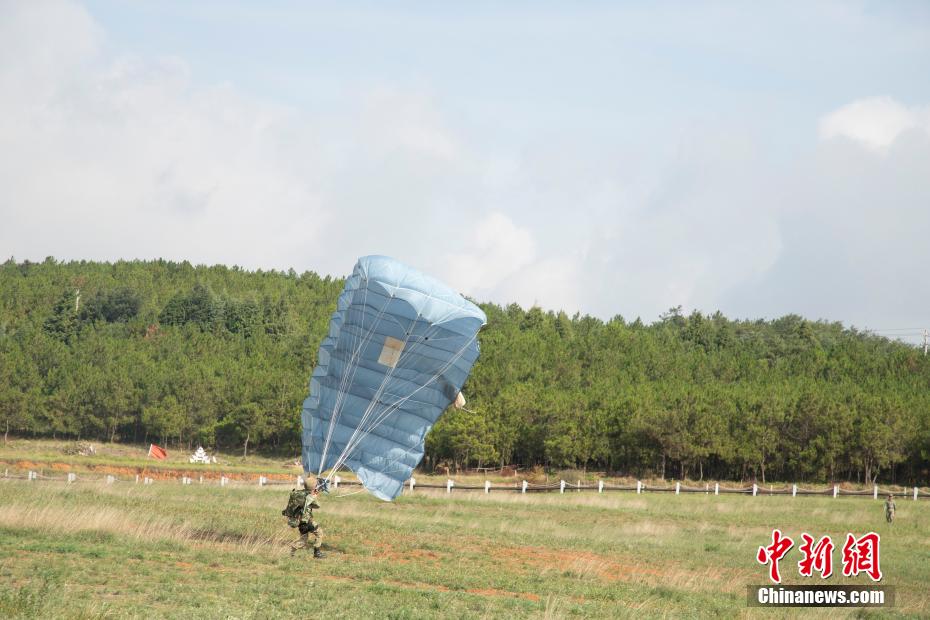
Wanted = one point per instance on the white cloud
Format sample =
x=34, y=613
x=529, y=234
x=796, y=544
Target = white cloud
x=108, y=155
x=127, y=157
x=853, y=231
x=495, y=249
x=875, y=122
x=407, y=122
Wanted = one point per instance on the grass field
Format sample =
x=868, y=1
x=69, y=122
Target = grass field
x=124, y=550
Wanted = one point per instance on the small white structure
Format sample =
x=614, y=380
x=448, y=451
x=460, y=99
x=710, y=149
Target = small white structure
x=200, y=456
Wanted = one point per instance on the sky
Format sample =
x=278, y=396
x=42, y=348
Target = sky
x=603, y=157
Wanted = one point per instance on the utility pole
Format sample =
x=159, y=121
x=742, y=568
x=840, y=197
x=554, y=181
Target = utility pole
x=77, y=305
x=926, y=341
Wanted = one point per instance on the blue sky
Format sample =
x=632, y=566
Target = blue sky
x=612, y=158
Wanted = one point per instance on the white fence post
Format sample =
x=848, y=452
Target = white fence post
x=794, y=490
x=561, y=486
x=600, y=486
x=110, y=479
x=487, y=486
x=413, y=481
x=201, y=480
x=755, y=489
x=336, y=481
x=836, y=490
x=261, y=481
x=524, y=487
x=71, y=478
x=716, y=488
x=875, y=492
x=449, y=485
x=639, y=487
x=915, y=494
x=137, y=478
x=223, y=481
x=32, y=475
x=300, y=481
x=677, y=488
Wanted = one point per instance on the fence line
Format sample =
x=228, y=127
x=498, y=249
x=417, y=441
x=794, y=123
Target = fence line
x=521, y=487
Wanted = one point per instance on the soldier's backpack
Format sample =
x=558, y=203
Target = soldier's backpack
x=295, y=507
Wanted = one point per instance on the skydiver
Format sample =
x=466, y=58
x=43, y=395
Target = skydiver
x=299, y=512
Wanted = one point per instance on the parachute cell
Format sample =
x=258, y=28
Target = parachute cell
x=399, y=348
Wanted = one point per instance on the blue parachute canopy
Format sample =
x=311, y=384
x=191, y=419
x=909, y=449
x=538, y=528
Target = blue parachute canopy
x=399, y=349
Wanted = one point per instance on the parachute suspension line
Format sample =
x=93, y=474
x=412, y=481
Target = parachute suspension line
x=342, y=383
x=374, y=402
x=371, y=413
x=360, y=430
x=348, y=378
x=352, y=364
x=356, y=437
x=399, y=403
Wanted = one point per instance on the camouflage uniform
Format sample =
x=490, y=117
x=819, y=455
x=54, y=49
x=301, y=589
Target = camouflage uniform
x=889, y=509
x=306, y=526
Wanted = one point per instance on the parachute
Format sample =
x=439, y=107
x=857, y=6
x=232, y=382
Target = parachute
x=399, y=348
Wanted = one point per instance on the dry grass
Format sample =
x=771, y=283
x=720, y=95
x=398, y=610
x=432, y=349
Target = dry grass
x=135, y=525
x=426, y=555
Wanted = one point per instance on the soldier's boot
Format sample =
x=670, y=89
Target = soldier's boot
x=317, y=553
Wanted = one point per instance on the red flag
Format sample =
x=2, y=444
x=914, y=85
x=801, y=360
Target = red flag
x=157, y=453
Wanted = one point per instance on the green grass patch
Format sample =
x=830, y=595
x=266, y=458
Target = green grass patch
x=180, y=551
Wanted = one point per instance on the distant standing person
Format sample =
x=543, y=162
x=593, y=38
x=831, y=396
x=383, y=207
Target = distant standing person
x=889, y=508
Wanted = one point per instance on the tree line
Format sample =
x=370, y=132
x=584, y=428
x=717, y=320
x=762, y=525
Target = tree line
x=178, y=354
